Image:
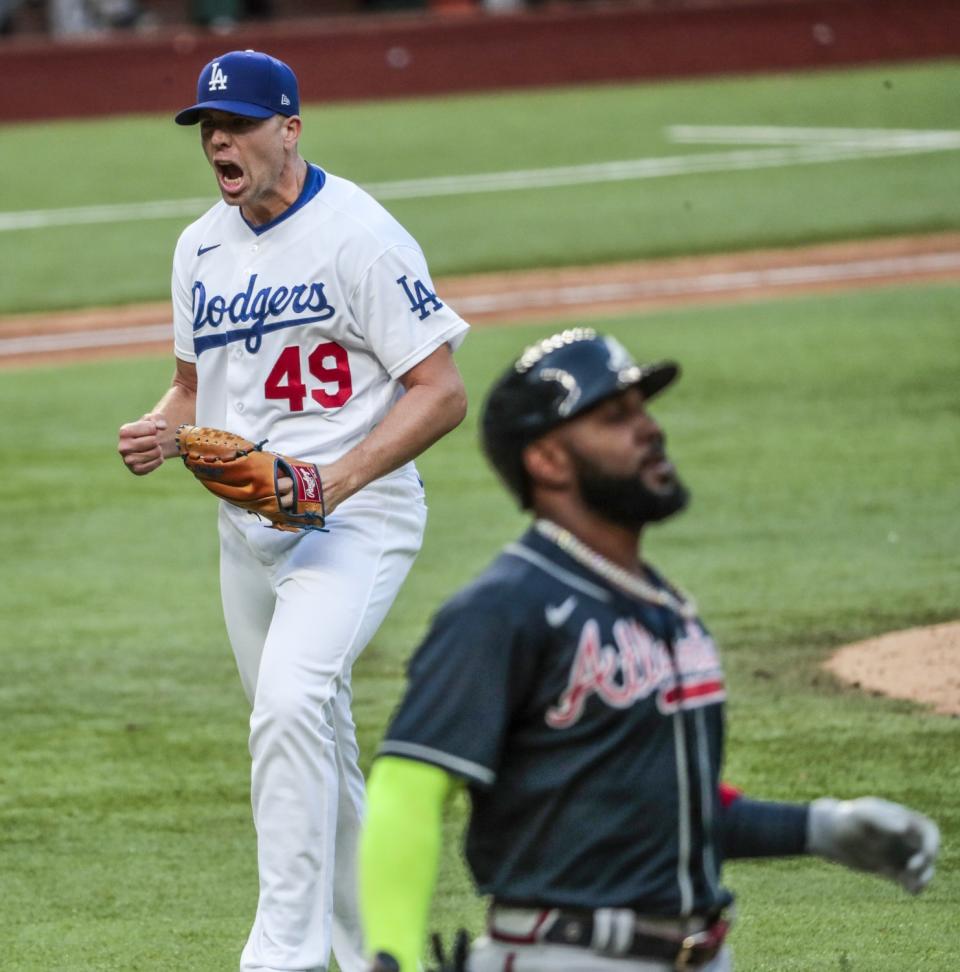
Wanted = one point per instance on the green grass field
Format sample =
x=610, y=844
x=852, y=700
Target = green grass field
x=139, y=159
x=819, y=436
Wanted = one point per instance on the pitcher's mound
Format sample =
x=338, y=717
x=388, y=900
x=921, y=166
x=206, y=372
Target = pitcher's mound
x=922, y=664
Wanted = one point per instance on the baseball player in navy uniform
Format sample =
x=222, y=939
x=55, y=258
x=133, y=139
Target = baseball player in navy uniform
x=578, y=696
x=304, y=315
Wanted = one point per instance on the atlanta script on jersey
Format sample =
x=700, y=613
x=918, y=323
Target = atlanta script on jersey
x=300, y=328
x=589, y=726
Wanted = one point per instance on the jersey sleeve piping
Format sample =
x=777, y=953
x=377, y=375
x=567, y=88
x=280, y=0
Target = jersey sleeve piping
x=202, y=227
x=333, y=205
x=446, y=336
x=452, y=335
x=377, y=259
x=547, y=566
x=182, y=329
x=426, y=754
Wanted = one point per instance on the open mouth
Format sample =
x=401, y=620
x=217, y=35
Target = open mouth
x=658, y=467
x=230, y=177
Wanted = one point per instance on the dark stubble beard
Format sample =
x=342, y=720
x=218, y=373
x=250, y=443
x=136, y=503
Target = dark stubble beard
x=626, y=500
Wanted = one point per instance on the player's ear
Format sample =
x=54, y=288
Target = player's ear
x=548, y=464
x=291, y=128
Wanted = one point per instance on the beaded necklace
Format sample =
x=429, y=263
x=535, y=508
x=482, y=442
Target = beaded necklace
x=629, y=583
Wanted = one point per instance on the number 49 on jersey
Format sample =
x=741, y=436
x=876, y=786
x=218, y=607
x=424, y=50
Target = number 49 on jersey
x=327, y=363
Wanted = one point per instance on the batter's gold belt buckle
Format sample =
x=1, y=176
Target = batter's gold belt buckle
x=701, y=947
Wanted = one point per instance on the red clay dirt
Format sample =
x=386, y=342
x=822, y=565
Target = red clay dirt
x=559, y=294
x=921, y=665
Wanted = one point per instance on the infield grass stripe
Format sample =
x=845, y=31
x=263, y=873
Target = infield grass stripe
x=625, y=170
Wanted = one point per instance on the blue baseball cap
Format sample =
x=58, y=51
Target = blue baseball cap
x=244, y=83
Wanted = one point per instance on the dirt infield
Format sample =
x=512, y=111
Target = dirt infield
x=922, y=664
x=556, y=294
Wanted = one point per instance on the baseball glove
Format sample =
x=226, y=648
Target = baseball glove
x=243, y=474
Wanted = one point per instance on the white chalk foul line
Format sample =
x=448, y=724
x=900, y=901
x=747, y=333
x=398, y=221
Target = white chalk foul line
x=803, y=147
x=519, y=301
x=783, y=135
x=81, y=340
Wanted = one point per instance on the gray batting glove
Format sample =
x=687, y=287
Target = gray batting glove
x=870, y=834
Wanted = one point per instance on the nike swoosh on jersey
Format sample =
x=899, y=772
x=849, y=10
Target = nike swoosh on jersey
x=557, y=614
x=206, y=249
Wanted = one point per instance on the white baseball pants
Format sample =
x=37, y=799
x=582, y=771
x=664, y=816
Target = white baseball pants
x=487, y=955
x=299, y=609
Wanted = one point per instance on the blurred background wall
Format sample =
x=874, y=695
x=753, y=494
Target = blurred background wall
x=62, y=58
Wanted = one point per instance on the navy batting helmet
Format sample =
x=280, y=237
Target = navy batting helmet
x=551, y=382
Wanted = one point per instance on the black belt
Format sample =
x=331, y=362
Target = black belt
x=576, y=928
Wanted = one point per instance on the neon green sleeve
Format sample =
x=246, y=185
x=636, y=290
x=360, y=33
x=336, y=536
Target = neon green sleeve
x=400, y=854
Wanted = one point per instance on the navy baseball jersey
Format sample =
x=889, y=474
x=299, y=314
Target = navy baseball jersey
x=588, y=723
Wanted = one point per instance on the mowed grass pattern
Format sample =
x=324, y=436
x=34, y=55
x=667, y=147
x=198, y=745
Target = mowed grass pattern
x=819, y=438
x=145, y=158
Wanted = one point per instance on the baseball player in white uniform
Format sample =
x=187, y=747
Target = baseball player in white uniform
x=304, y=314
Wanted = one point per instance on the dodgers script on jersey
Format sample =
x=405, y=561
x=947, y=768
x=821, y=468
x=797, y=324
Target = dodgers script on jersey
x=599, y=718
x=314, y=315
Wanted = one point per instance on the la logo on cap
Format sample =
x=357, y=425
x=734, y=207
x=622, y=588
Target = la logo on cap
x=218, y=80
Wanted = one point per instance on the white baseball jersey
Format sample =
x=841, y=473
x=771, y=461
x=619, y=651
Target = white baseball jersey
x=300, y=328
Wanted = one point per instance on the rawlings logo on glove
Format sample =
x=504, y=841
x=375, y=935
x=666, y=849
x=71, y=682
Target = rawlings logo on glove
x=242, y=473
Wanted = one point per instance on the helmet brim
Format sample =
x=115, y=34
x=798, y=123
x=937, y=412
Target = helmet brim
x=658, y=376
